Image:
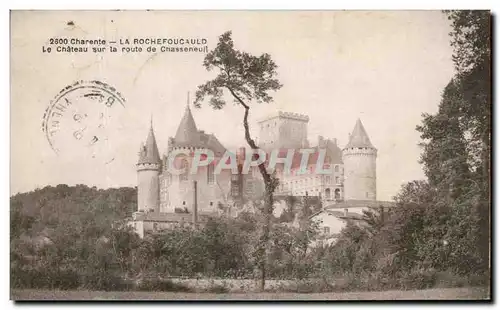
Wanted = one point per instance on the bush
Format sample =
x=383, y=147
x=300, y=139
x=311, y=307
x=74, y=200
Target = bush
x=104, y=282
x=161, y=285
x=417, y=279
x=450, y=279
x=48, y=279
x=479, y=279
x=218, y=289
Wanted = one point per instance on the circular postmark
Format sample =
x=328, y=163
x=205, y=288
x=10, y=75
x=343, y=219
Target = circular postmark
x=78, y=120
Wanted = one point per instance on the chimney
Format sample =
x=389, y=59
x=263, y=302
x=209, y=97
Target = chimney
x=195, y=206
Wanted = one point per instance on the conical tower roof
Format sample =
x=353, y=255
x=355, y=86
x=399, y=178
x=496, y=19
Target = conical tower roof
x=149, y=153
x=359, y=137
x=187, y=133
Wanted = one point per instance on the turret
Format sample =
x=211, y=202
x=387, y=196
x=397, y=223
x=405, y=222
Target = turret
x=148, y=170
x=360, y=170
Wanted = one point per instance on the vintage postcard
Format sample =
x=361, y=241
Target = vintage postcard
x=256, y=155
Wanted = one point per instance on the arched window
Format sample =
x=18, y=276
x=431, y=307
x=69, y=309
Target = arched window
x=336, y=168
x=337, y=193
x=327, y=193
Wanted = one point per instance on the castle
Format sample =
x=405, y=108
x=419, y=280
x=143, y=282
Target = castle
x=166, y=199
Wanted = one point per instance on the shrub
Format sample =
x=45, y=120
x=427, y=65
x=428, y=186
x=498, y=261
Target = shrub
x=104, y=282
x=162, y=285
x=417, y=279
x=479, y=279
x=450, y=279
x=217, y=288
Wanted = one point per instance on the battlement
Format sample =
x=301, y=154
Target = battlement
x=189, y=148
x=297, y=116
x=289, y=115
x=147, y=166
x=359, y=151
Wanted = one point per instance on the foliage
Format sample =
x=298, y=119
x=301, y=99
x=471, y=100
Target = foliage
x=437, y=235
x=159, y=285
x=248, y=79
x=245, y=76
x=61, y=253
x=457, y=143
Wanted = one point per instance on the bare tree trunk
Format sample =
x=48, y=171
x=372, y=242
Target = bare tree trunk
x=270, y=186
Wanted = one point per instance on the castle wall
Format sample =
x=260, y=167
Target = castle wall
x=138, y=227
x=360, y=179
x=148, y=188
x=287, y=130
x=181, y=192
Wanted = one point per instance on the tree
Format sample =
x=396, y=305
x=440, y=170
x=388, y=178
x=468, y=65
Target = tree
x=248, y=79
x=445, y=155
x=471, y=40
x=457, y=139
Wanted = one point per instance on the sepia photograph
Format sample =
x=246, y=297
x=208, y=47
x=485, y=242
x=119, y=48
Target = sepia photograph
x=250, y=155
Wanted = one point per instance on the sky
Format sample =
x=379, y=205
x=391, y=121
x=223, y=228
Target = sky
x=384, y=67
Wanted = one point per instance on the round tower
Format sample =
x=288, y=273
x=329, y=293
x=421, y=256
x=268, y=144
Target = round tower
x=148, y=171
x=360, y=168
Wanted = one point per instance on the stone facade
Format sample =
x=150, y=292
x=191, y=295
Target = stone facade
x=163, y=194
x=283, y=130
x=359, y=157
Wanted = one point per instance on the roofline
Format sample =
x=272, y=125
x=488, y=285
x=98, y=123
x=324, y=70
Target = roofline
x=361, y=204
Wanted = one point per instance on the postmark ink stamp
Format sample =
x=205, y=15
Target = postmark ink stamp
x=78, y=119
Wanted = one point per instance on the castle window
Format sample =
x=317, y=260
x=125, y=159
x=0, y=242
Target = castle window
x=183, y=203
x=327, y=193
x=234, y=190
x=210, y=174
x=337, y=180
x=336, y=168
x=211, y=203
x=327, y=180
x=184, y=174
x=337, y=193
x=155, y=226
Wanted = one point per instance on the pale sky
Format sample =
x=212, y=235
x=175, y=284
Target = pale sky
x=385, y=67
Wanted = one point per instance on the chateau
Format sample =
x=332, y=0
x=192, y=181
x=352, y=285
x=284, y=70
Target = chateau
x=166, y=199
